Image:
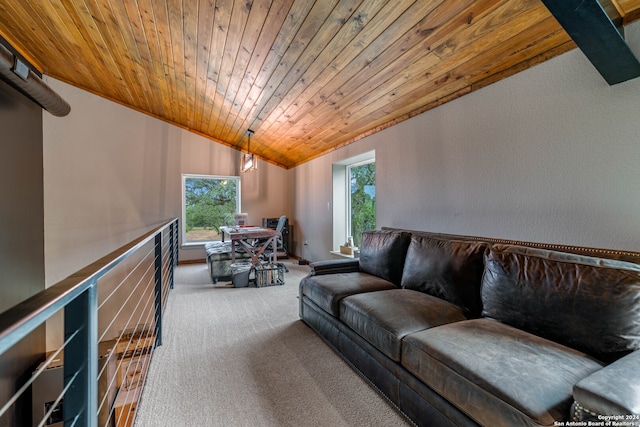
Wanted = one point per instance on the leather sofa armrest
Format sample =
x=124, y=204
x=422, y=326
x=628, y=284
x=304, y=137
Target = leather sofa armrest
x=613, y=390
x=335, y=266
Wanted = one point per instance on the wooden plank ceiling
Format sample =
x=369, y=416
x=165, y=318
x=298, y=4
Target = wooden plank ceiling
x=307, y=76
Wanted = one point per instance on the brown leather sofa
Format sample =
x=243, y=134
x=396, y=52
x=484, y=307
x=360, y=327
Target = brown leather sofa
x=468, y=331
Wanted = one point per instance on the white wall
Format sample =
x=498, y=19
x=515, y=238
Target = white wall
x=111, y=174
x=551, y=154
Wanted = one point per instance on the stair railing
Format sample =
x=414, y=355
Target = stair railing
x=77, y=297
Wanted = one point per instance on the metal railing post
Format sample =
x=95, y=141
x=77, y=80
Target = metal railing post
x=158, y=287
x=172, y=255
x=177, y=241
x=81, y=359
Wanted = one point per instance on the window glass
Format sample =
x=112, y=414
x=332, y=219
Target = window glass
x=208, y=203
x=362, y=199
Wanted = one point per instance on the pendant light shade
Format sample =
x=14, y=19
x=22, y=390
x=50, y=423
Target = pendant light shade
x=248, y=161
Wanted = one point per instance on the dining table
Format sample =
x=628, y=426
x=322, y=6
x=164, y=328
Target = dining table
x=254, y=240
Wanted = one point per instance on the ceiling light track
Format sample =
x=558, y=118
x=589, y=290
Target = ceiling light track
x=18, y=74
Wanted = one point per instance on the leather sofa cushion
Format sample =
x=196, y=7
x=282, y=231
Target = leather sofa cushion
x=591, y=304
x=383, y=318
x=327, y=290
x=493, y=372
x=613, y=390
x=382, y=254
x=448, y=269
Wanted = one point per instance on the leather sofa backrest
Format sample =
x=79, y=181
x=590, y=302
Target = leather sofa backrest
x=578, y=250
x=382, y=254
x=448, y=269
x=587, y=303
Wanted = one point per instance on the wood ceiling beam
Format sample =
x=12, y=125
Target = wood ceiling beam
x=596, y=34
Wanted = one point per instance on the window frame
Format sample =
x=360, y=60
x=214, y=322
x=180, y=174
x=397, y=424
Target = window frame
x=183, y=223
x=349, y=228
x=340, y=195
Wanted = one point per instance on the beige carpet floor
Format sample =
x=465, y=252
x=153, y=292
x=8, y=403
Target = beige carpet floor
x=242, y=357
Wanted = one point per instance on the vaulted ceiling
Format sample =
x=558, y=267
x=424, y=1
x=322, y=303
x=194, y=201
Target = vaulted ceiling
x=306, y=76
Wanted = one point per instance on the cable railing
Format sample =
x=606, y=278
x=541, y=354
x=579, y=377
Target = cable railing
x=102, y=324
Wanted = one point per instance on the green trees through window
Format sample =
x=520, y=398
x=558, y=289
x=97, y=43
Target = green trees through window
x=362, y=199
x=209, y=202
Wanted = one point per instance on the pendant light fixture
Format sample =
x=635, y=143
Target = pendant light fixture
x=248, y=161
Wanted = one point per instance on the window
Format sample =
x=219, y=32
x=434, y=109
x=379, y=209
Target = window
x=208, y=202
x=354, y=198
x=361, y=200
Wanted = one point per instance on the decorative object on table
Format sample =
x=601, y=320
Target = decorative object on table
x=348, y=247
x=248, y=161
x=240, y=219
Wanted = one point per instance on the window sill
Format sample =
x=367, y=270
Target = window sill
x=338, y=253
x=195, y=245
